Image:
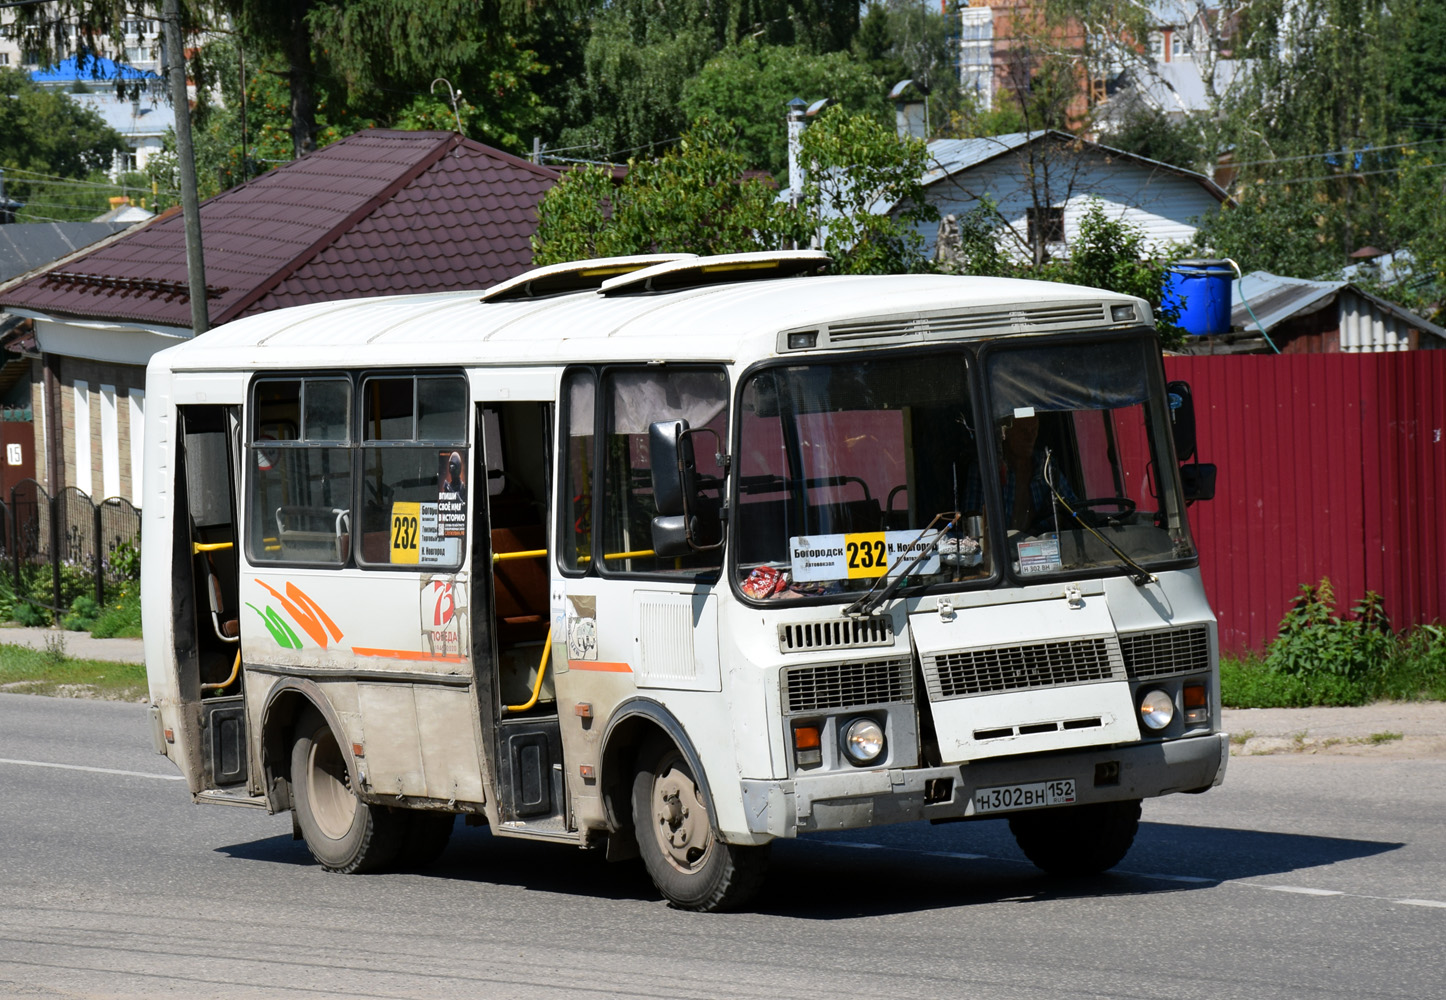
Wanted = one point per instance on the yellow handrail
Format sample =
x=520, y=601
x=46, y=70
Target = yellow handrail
x=198, y=547
x=537, y=685
x=223, y=685
x=528, y=554
x=608, y=556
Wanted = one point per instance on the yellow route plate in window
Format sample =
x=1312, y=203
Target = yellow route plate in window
x=406, y=532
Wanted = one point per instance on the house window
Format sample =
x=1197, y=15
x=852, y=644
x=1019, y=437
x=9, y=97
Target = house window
x=1157, y=46
x=976, y=54
x=1046, y=225
x=4, y=58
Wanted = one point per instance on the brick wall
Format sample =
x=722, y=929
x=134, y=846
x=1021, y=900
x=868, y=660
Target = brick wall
x=124, y=378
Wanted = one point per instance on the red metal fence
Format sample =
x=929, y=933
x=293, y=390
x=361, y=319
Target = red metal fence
x=1330, y=465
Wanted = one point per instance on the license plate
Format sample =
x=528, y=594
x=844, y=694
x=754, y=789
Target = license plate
x=1003, y=798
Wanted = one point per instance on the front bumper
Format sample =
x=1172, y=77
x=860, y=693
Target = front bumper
x=848, y=800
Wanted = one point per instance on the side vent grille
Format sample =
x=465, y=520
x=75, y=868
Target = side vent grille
x=1166, y=651
x=847, y=685
x=837, y=633
x=1015, y=668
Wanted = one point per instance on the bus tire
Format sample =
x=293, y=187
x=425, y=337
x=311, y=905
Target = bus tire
x=1077, y=840
x=427, y=834
x=343, y=833
x=690, y=865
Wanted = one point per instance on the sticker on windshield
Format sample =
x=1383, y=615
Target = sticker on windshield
x=858, y=556
x=1039, y=555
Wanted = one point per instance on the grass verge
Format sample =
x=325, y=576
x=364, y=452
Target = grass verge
x=51, y=672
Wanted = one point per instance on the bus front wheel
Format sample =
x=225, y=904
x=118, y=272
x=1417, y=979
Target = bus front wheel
x=1077, y=840
x=692, y=868
x=343, y=833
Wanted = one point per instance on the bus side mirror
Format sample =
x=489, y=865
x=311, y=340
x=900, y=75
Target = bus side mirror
x=687, y=521
x=1198, y=481
x=1182, y=419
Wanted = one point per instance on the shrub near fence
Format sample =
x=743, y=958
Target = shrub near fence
x=58, y=549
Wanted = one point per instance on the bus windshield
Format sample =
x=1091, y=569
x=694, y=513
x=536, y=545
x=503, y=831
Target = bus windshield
x=844, y=465
x=850, y=469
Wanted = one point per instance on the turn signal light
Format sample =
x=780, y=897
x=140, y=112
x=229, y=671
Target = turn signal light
x=1197, y=706
x=807, y=746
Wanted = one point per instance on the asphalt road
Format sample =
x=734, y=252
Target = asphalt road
x=1305, y=875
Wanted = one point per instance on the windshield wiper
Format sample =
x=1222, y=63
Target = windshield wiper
x=870, y=602
x=1139, y=576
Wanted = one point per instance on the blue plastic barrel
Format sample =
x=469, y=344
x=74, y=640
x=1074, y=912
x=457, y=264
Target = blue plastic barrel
x=1201, y=288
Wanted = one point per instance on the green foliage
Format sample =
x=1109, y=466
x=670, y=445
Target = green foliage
x=1314, y=640
x=47, y=144
x=121, y=617
x=83, y=613
x=31, y=615
x=1282, y=229
x=695, y=199
x=50, y=671
x=856, y=166
x=124, y=562
x=752, y=83
x=1321, y=658
x=1151, y=133
x=1109, y=253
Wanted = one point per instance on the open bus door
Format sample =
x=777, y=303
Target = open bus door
x=512, y=471
x=205, y=592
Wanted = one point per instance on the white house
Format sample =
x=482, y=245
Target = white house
x=1039, y=184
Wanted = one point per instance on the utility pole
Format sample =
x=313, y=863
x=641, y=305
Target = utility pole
x=186, y=161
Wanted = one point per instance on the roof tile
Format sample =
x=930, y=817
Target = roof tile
x=378, y=212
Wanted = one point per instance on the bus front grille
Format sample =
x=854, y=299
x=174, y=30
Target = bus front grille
x=1165, y=651
x=835, y=633
x=1014, y=668
x=847, y=685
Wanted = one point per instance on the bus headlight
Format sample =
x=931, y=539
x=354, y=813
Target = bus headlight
x=863, y=741
x=1157, y=709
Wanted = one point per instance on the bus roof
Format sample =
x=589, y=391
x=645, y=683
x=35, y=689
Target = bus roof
x=715, y=322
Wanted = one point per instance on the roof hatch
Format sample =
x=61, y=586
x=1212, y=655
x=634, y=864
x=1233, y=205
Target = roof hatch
x=574, y=276
x=695, y=271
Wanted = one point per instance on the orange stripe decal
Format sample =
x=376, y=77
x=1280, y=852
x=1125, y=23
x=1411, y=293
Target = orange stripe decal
x=408, y=654
x=602, y=665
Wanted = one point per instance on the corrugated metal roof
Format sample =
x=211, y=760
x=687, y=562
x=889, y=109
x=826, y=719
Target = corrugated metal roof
x=951, y=156
x=25, y=246
x=1275, y=299
x=378, y=212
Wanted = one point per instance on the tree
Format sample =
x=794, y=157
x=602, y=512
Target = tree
x=751, y=84
x=47, y=143
x=698, y=198
x=858, y=170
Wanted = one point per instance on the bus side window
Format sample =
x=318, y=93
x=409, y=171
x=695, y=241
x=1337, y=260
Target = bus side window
x=579, y=394
x=301, y=479
x=414, y=471
x=635, y=399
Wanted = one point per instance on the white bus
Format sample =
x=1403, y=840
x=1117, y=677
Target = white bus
x=676, y=556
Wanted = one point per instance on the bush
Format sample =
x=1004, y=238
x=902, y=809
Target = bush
x=120, y=617
x=1320, y=658
x=83, y=612
x=31, y=616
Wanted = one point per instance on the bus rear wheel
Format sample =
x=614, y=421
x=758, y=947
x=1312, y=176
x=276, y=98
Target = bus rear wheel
x=343, y=833
x=690, y=865
x=1077, y=840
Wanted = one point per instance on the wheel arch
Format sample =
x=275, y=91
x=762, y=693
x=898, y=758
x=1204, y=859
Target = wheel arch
x=628, y=730
x=285, y=704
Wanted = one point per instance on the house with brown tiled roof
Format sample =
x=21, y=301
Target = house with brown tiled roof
x=377, y=213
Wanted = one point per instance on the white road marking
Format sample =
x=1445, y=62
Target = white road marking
x=1303, y=890
x=1421, y=902
x=96, y=770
